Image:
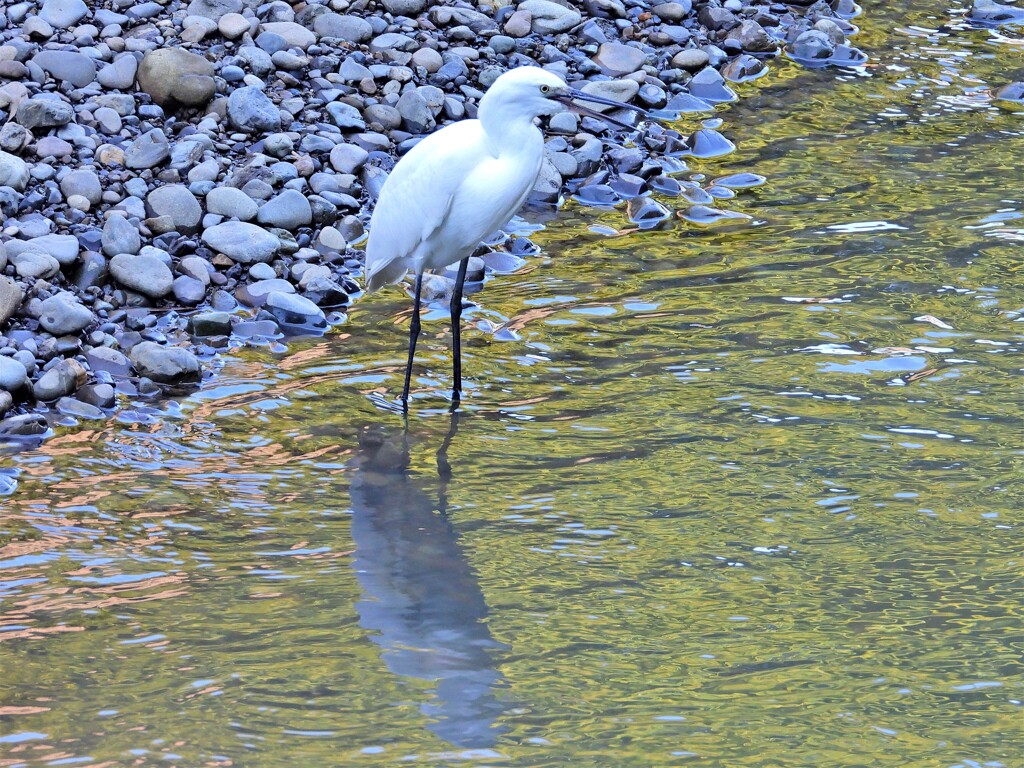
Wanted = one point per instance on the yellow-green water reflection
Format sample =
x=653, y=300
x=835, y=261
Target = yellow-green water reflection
x=747, y=497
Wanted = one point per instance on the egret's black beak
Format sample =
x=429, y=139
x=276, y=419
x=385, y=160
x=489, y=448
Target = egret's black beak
x=572, y=98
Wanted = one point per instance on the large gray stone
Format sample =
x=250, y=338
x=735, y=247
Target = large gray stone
x=61, y=14
x=143, y=273
x=62, y=379
x=13, y=172
x=42, y=112
x=289, y=210
x=296, y=312
x=251, y=110
x=172, y=76
x=214, y=9
x=166, y=365
x=62, y=314
x=64, y=248
x=231, y=202
x=617, y=90
x=296, y=35
x=352, y=29
x=120, y=73
x=549, y=17
x=82, y=182
x=175, y=201
x=147, y=151
x=120, y=236
x=405, y=7
x=76, y=68
x=616, y=59
x=11, y=297
x=241, y=242
x=12, y=374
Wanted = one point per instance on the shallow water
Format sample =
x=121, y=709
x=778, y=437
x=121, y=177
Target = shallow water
x=747, y=495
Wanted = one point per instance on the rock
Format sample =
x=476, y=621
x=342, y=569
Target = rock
x=13, y=172
x=673, y=11
x=12, y=374
x=165, y=365
x=345, y=116
x=405, y=7
x=231, y=202
x=69, y=406
x=618, y=90
x=990, y=12
x=352, y=29
x=348, y=158
x=172, y=76
x=97, y=395
x=1011, y=92
x=43, y=112
x=11, y=297
x=233, y=25
x=709, y=85
x=431, y=60
x=175, y=201
x=120, y=236
x=692, y=59
x=295, y=35
x=109, y=360
x=35, y=264
x=147, y=151
x=214, y=9
x=250, y=110
x=616, y=59
x=188, y=290
x=811, y=45
x=241, y=242
x=14, y=138
x=289, y=210
x=519, y=24
x=82, y=182
x=752, y=37
x=548, y=18
x=25, y=424
x=60, y=380
x=143, y=273
x=120, y=74
x=64, y=248
x=62, y=14
x=255, y=294
x=211, y=324
x=62, y=314
x=415, y=112
x=296, y=313
x=75, y=68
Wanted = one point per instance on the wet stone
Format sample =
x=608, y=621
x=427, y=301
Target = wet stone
x=43, y=112
x=211, y=324
x=165, y=365
x=12, y=374
x=69, y=406
x=702, y=214
x=243, y=243
x=62, y=314
x=143, y=273
x=60, y=380
x=295, y=313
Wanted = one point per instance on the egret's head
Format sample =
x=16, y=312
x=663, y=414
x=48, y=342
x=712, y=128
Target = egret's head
x=530, y=92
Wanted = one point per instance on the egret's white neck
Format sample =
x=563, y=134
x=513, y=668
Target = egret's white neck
x=508, y=128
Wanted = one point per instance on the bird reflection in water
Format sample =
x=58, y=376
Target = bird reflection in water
x=421, y=597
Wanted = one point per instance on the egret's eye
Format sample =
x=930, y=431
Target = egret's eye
x=545, y=89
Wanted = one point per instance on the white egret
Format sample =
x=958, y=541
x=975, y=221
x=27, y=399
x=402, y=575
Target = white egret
x=461, y=184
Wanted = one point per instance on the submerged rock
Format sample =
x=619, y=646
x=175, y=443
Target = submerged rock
x=165, y=365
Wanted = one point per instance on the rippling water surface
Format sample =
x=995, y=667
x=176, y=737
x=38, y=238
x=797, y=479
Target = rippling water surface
x=746, y=495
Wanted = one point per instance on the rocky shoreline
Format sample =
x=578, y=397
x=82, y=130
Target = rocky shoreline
x=180, y=177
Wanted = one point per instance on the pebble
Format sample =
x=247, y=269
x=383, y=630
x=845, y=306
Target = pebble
x=231, y=202
x=143, y=273
x=120, y=73
x=14, y=172
x=243, y=243
x=44, y=112
x=616, y=59
x=289, y=210
x=82, y=182
x=11, y=296
x=60, y=380
x=296, y=313
x=62, y=314
x=12, y=374
x=549, y=18
x=75, y=68
x=147, y=151
x=251, y=111
x=62, y=14
x=176, y=202
x=120, y=236
x=163, y=364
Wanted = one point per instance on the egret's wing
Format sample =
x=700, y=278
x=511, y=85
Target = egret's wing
x=417, y=198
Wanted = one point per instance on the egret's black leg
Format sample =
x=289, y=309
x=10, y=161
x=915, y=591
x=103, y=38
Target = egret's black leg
x=414, y=332
x=456, y=310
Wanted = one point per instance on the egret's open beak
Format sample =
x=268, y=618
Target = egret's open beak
x=572, y=98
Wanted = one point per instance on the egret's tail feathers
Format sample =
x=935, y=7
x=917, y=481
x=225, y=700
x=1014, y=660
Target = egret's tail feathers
x=384, y=274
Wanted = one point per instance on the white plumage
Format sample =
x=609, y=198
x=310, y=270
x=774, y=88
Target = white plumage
x=461, y=184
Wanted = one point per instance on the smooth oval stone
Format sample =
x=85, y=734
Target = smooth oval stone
x=702, y=214
x=740, y=180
